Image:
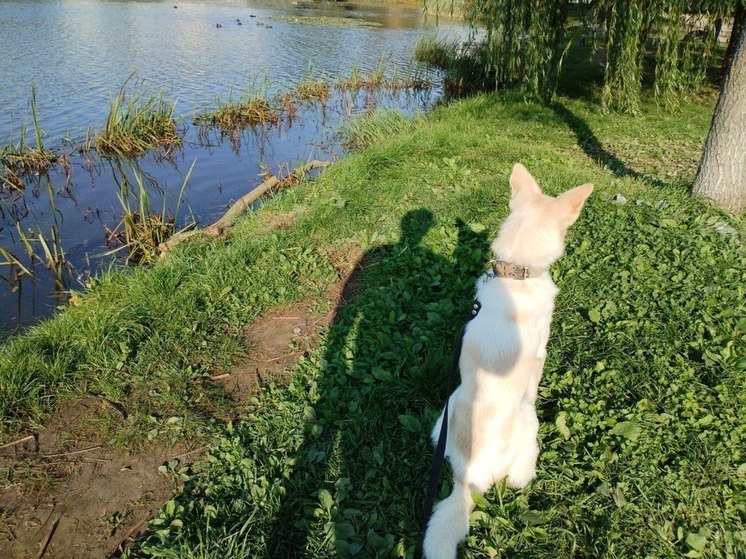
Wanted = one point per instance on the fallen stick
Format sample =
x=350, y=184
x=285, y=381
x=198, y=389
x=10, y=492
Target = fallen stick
x=239, y=206
x=183, y=455
x=45, y=541
x=72, y=453
x=291, y=354
x=19, y=441
x=129, y=533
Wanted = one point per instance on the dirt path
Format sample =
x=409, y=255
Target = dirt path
x=65, y=495
x=70, y=497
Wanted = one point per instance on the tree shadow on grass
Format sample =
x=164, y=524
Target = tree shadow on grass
x=594, y=149
x=359, y=479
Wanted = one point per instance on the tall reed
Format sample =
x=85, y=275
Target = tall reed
x=51, y=255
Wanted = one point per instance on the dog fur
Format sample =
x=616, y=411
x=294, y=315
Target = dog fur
x=492, y=423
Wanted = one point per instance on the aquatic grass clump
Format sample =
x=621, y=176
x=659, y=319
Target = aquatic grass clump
x=288, y=106
x=466, y=64
x=141, y=229
x=20, y=158
x=138, y=123
x=378, y=81
x=252, y=108
x=253, y=111
x=140, y=232
x=52, y=254
x=17, y=269
x=312, y=90
x=436, y=52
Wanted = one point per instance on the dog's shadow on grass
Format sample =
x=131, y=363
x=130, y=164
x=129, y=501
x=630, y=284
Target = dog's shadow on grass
x=359, y=480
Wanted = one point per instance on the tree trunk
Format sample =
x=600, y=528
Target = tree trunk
x=721, y=176
x=739, y=19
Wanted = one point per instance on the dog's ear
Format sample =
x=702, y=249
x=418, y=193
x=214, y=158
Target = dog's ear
x=571, y=202
x=522, y=181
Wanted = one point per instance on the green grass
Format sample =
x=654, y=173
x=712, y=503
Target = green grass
x=641, y=436
x=374, y=127
x=137, y=123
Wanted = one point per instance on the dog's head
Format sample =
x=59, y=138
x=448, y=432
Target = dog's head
x=534, y=231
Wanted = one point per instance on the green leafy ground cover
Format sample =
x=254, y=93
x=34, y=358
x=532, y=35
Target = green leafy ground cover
x=641, y=436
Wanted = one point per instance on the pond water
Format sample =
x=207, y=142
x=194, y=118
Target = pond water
x=77, y=54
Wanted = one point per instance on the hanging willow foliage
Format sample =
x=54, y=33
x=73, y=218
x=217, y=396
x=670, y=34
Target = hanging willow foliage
x=524, y=40
x=673, y=41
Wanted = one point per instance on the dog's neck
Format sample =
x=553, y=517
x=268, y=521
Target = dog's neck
x=525, y=249
x=511, y=270
x=520, y=257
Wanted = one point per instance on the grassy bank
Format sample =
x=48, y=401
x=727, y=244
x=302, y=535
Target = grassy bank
x=642, y=445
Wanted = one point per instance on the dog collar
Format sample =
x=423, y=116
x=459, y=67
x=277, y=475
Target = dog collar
x=501, y=269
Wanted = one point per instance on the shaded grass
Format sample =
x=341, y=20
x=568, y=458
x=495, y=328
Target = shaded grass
x=640, y=434
x=137, y=123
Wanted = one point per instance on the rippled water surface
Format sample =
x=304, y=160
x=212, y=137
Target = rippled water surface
x=78, y=54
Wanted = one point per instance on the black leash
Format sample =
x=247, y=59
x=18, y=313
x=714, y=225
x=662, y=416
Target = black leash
x=440, y=449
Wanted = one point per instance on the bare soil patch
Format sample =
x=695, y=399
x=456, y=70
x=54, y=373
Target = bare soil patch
x=63, y=494
x=68, y=497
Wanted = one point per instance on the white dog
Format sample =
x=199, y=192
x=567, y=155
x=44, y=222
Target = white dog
x=492, y=423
